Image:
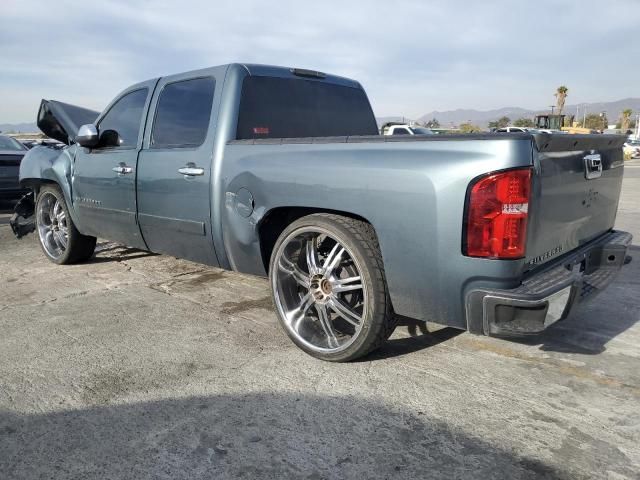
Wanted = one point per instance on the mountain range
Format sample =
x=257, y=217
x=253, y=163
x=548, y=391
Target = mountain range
x=19, y=127
x=481, y=118
x=450, y=118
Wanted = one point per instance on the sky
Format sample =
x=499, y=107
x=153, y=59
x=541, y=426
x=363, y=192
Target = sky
x=412, y=57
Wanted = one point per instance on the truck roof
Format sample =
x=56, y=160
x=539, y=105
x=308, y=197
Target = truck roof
x=284, y=72
x=296, y=72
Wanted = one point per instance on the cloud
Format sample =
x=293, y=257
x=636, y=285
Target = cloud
x=412, y=57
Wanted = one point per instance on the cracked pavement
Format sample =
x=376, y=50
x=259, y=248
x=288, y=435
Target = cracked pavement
x=137, y=365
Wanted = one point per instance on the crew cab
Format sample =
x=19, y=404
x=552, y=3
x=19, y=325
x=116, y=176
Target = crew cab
x=282, y=173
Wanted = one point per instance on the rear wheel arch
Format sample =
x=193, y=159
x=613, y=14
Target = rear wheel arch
x=274, y=222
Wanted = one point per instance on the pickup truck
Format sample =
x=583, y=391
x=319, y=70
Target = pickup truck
x=282, y=173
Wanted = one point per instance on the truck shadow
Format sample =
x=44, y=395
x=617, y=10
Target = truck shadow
x=419, y=338
x=112, y=252
x=254, y=436
x=597, y=322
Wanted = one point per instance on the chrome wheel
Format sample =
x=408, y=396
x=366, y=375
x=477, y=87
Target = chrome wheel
x=318, y=290
x=52, y=225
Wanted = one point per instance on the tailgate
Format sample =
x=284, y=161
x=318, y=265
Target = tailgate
x=575, y=193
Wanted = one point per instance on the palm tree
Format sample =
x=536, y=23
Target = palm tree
x=561, y=96
x=626, y=116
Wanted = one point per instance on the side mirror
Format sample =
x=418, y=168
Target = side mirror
x=87, y=136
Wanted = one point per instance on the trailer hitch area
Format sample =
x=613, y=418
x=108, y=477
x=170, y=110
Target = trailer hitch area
x=23, y=220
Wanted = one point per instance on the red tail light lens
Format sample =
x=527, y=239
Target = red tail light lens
x=497, y=213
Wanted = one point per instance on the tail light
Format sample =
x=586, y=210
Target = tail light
x=497, y=213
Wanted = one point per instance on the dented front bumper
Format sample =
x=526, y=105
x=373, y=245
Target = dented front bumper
x=23, y=220
x=550, y=295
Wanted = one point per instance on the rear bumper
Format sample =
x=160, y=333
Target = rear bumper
x=550, y=295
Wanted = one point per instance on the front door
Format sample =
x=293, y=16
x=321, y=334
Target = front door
x=174, y=167
x=104, y=188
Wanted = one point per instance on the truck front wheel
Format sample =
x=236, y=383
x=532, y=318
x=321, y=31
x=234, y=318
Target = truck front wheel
x=61, y=242
x=329, y=288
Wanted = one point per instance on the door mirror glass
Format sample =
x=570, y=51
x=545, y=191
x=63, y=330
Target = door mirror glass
x=87, y=136
x=110, y=138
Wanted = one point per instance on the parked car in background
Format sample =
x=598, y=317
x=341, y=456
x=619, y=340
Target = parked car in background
x=281, y=172
x=393, y=128
x=11, y=154
x=44, y=143
x=511, y=129
x=632, y=148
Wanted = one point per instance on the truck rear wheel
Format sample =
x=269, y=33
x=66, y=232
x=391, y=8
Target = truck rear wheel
x=329, y=287
x=61, y=242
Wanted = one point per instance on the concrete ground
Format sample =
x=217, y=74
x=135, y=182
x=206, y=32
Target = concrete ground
x=143, y=366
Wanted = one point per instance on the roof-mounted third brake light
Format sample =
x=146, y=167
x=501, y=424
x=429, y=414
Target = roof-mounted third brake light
x=301, y=72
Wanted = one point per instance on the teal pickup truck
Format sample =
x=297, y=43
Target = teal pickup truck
x=281, y=172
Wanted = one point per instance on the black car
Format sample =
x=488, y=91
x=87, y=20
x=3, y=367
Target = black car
x=11, y=153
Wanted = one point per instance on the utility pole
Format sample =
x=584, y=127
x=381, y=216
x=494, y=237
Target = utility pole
x=552, y=107
x=584, y=114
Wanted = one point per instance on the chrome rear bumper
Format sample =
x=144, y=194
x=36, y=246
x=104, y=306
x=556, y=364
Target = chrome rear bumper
x=551, y=294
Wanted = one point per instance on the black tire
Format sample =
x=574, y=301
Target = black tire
x=360, y=241
x=79, y=247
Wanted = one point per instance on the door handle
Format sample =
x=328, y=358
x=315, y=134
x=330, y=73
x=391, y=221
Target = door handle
x=190, y=170
x=122, y=169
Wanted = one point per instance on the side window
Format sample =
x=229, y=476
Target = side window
x=182, y=114
x=400, y=131
x=125, y=117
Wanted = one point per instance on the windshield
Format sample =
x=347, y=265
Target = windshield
x=422, y=131
x=8, y=143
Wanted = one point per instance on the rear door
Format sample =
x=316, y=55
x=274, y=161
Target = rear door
x=103, y=180
x=576, y=191
x=174, y=168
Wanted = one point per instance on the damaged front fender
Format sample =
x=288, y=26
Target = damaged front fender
x=23, y=220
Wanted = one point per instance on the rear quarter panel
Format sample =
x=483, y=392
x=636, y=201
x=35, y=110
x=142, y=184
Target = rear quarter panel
x=413, y=193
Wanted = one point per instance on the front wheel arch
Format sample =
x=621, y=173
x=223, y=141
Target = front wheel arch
x=36, y=184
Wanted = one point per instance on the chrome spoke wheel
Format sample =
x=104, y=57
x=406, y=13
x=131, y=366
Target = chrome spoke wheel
x=53, y=229
x=318, y=290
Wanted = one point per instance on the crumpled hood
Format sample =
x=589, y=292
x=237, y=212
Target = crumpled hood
x=61, y=121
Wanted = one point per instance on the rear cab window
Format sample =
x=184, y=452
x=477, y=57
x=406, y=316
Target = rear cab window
x=274, y=107
x=183, y=113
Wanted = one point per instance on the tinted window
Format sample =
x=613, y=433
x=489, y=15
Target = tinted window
x=183, y=112
x=400, y=131
x=273, y=107
x=422, y=131
x=125, y=117
x=8, y=143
